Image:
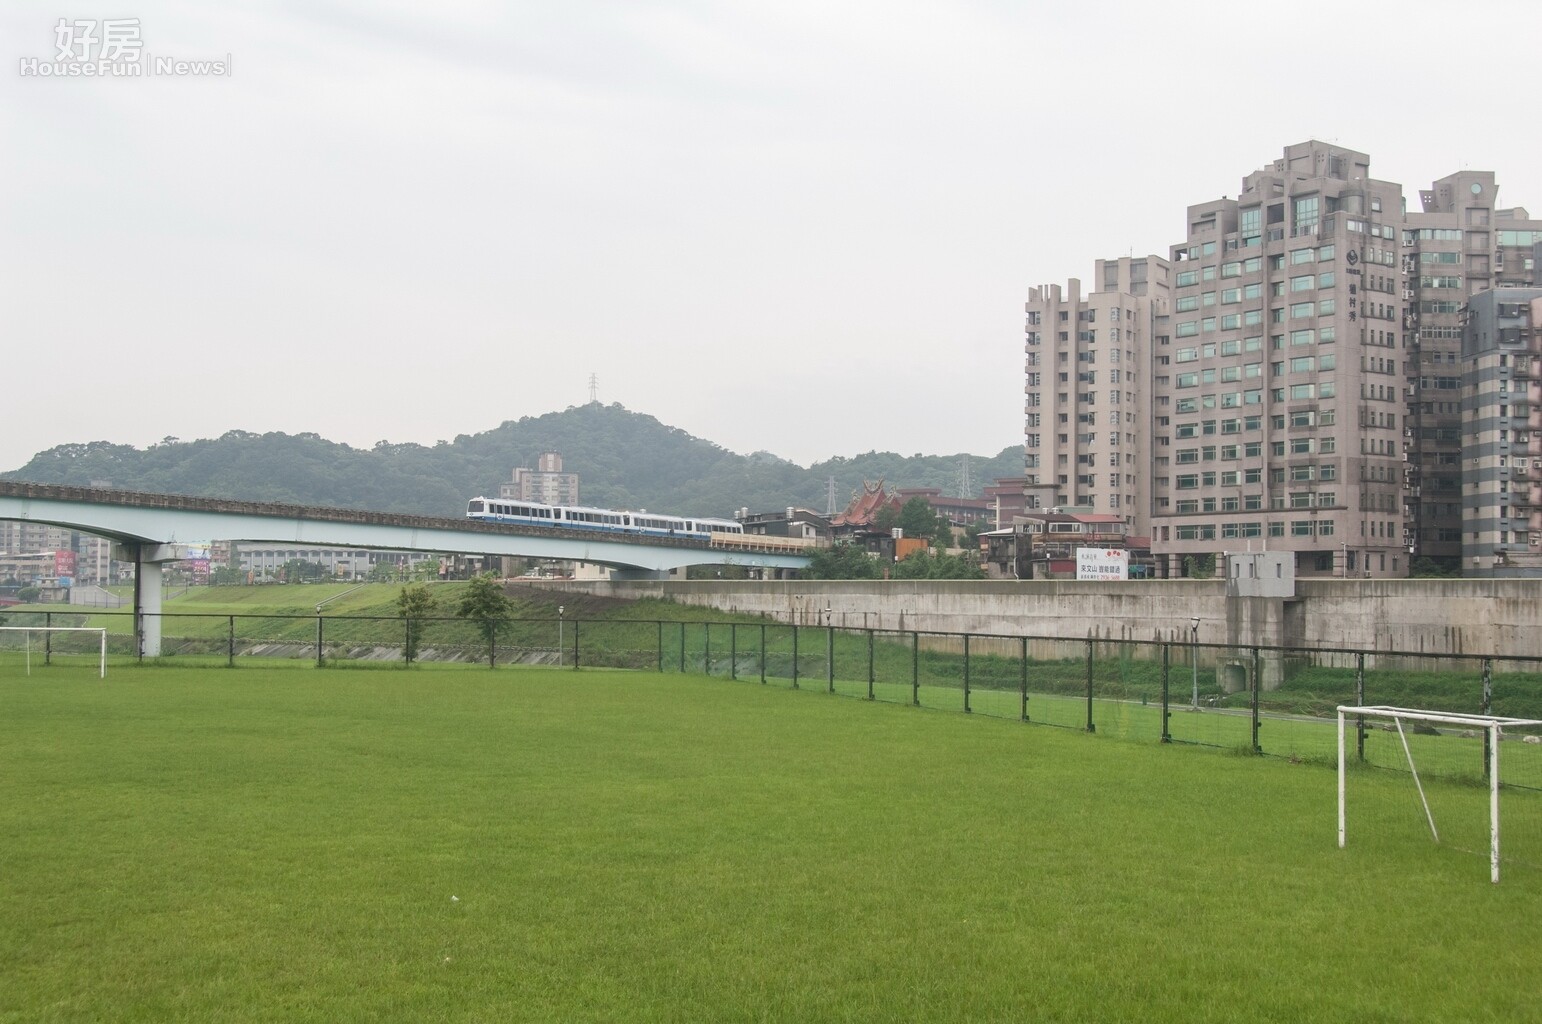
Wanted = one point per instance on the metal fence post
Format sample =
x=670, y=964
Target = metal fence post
x=706, y=649
x=661, y=646
x=967, y=709
x=1023, y=682
x=733, y=650
x=870, y=664
x=794, y=655
x=1167, y=652
x=1091, y=726
x=830, y=658
x=230, y=655
x=1258, y=684
x=762, y=654
x=682, y=646
x=1488, y=709
x=1360, y=700
x=48, y=638
x=318, y=641
x=575, y=645
x=915, y=668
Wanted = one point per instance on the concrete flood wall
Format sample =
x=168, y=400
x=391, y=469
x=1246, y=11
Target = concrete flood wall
x=1472, y=617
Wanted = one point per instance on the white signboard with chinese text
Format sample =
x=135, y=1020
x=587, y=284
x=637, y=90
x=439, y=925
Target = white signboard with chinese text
x=1102, y=564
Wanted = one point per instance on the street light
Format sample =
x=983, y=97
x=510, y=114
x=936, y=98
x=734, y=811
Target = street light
x=1194, y=655
x=559, y=636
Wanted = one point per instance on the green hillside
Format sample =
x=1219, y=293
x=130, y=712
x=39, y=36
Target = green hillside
x=624, y=459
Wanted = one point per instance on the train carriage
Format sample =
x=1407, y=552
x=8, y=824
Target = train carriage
x=602, y=520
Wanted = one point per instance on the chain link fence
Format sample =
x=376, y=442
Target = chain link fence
x=1270, y=700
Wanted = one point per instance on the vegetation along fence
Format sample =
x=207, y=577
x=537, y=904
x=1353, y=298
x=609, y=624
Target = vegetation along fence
x=1270, y=700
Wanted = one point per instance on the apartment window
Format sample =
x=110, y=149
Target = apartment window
x=1301, y=309
x=1303, y=283
x=1306, y=211
x=1302, y=256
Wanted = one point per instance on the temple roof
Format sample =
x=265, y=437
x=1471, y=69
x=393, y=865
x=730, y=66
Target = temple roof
x=865, y=506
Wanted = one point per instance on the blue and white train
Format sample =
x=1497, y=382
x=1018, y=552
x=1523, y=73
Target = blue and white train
x=602, y=520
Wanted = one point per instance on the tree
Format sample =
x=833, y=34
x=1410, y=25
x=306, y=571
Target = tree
x=227, y=576
x=886, y=519
x=1199, y=567
x=843, y=561
x=918, y=520
x=484, y=600
x=415, y=602
x=926, y=566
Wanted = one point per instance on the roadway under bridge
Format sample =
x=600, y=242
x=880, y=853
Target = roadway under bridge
x=151, y=529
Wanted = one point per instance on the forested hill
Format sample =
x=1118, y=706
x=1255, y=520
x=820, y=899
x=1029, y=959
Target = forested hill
x=624, y=459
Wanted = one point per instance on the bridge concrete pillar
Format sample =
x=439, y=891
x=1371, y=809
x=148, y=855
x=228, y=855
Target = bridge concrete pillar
x=147, y=559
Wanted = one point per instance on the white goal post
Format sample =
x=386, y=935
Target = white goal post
x=1492, y=725
x=29, y=630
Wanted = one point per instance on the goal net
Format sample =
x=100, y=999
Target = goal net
x=1468, y=782
x=29, y=646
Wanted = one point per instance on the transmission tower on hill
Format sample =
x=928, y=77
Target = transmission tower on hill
x=830, y=508
x=965, y=482
x=594, y=388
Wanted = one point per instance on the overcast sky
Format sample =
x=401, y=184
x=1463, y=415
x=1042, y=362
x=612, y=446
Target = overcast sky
x=805, y=227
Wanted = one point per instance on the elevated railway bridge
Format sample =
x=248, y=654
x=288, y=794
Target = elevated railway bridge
x=152, y=529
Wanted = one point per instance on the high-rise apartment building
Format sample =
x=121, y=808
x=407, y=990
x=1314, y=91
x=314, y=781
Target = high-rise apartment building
x=1285, y=373
x=1306, y=385
x=1501, y=440
x=1457, y=245
x=1087, y=392
x=547, y=483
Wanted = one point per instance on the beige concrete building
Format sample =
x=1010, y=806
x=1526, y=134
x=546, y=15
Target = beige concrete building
x=546, y=484
x=1459, y=244
x=1278, y=399
x=92, y=556
x=1088, y=389
x=1501, y=440
x=1307, y=388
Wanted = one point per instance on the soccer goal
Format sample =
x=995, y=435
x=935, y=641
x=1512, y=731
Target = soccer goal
x=41, y=638
x=1441, y=738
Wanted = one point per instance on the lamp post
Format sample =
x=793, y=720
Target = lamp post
x=1194, y=656
x=559, y=636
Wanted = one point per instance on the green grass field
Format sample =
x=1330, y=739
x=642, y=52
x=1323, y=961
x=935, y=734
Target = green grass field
x=463, y=845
